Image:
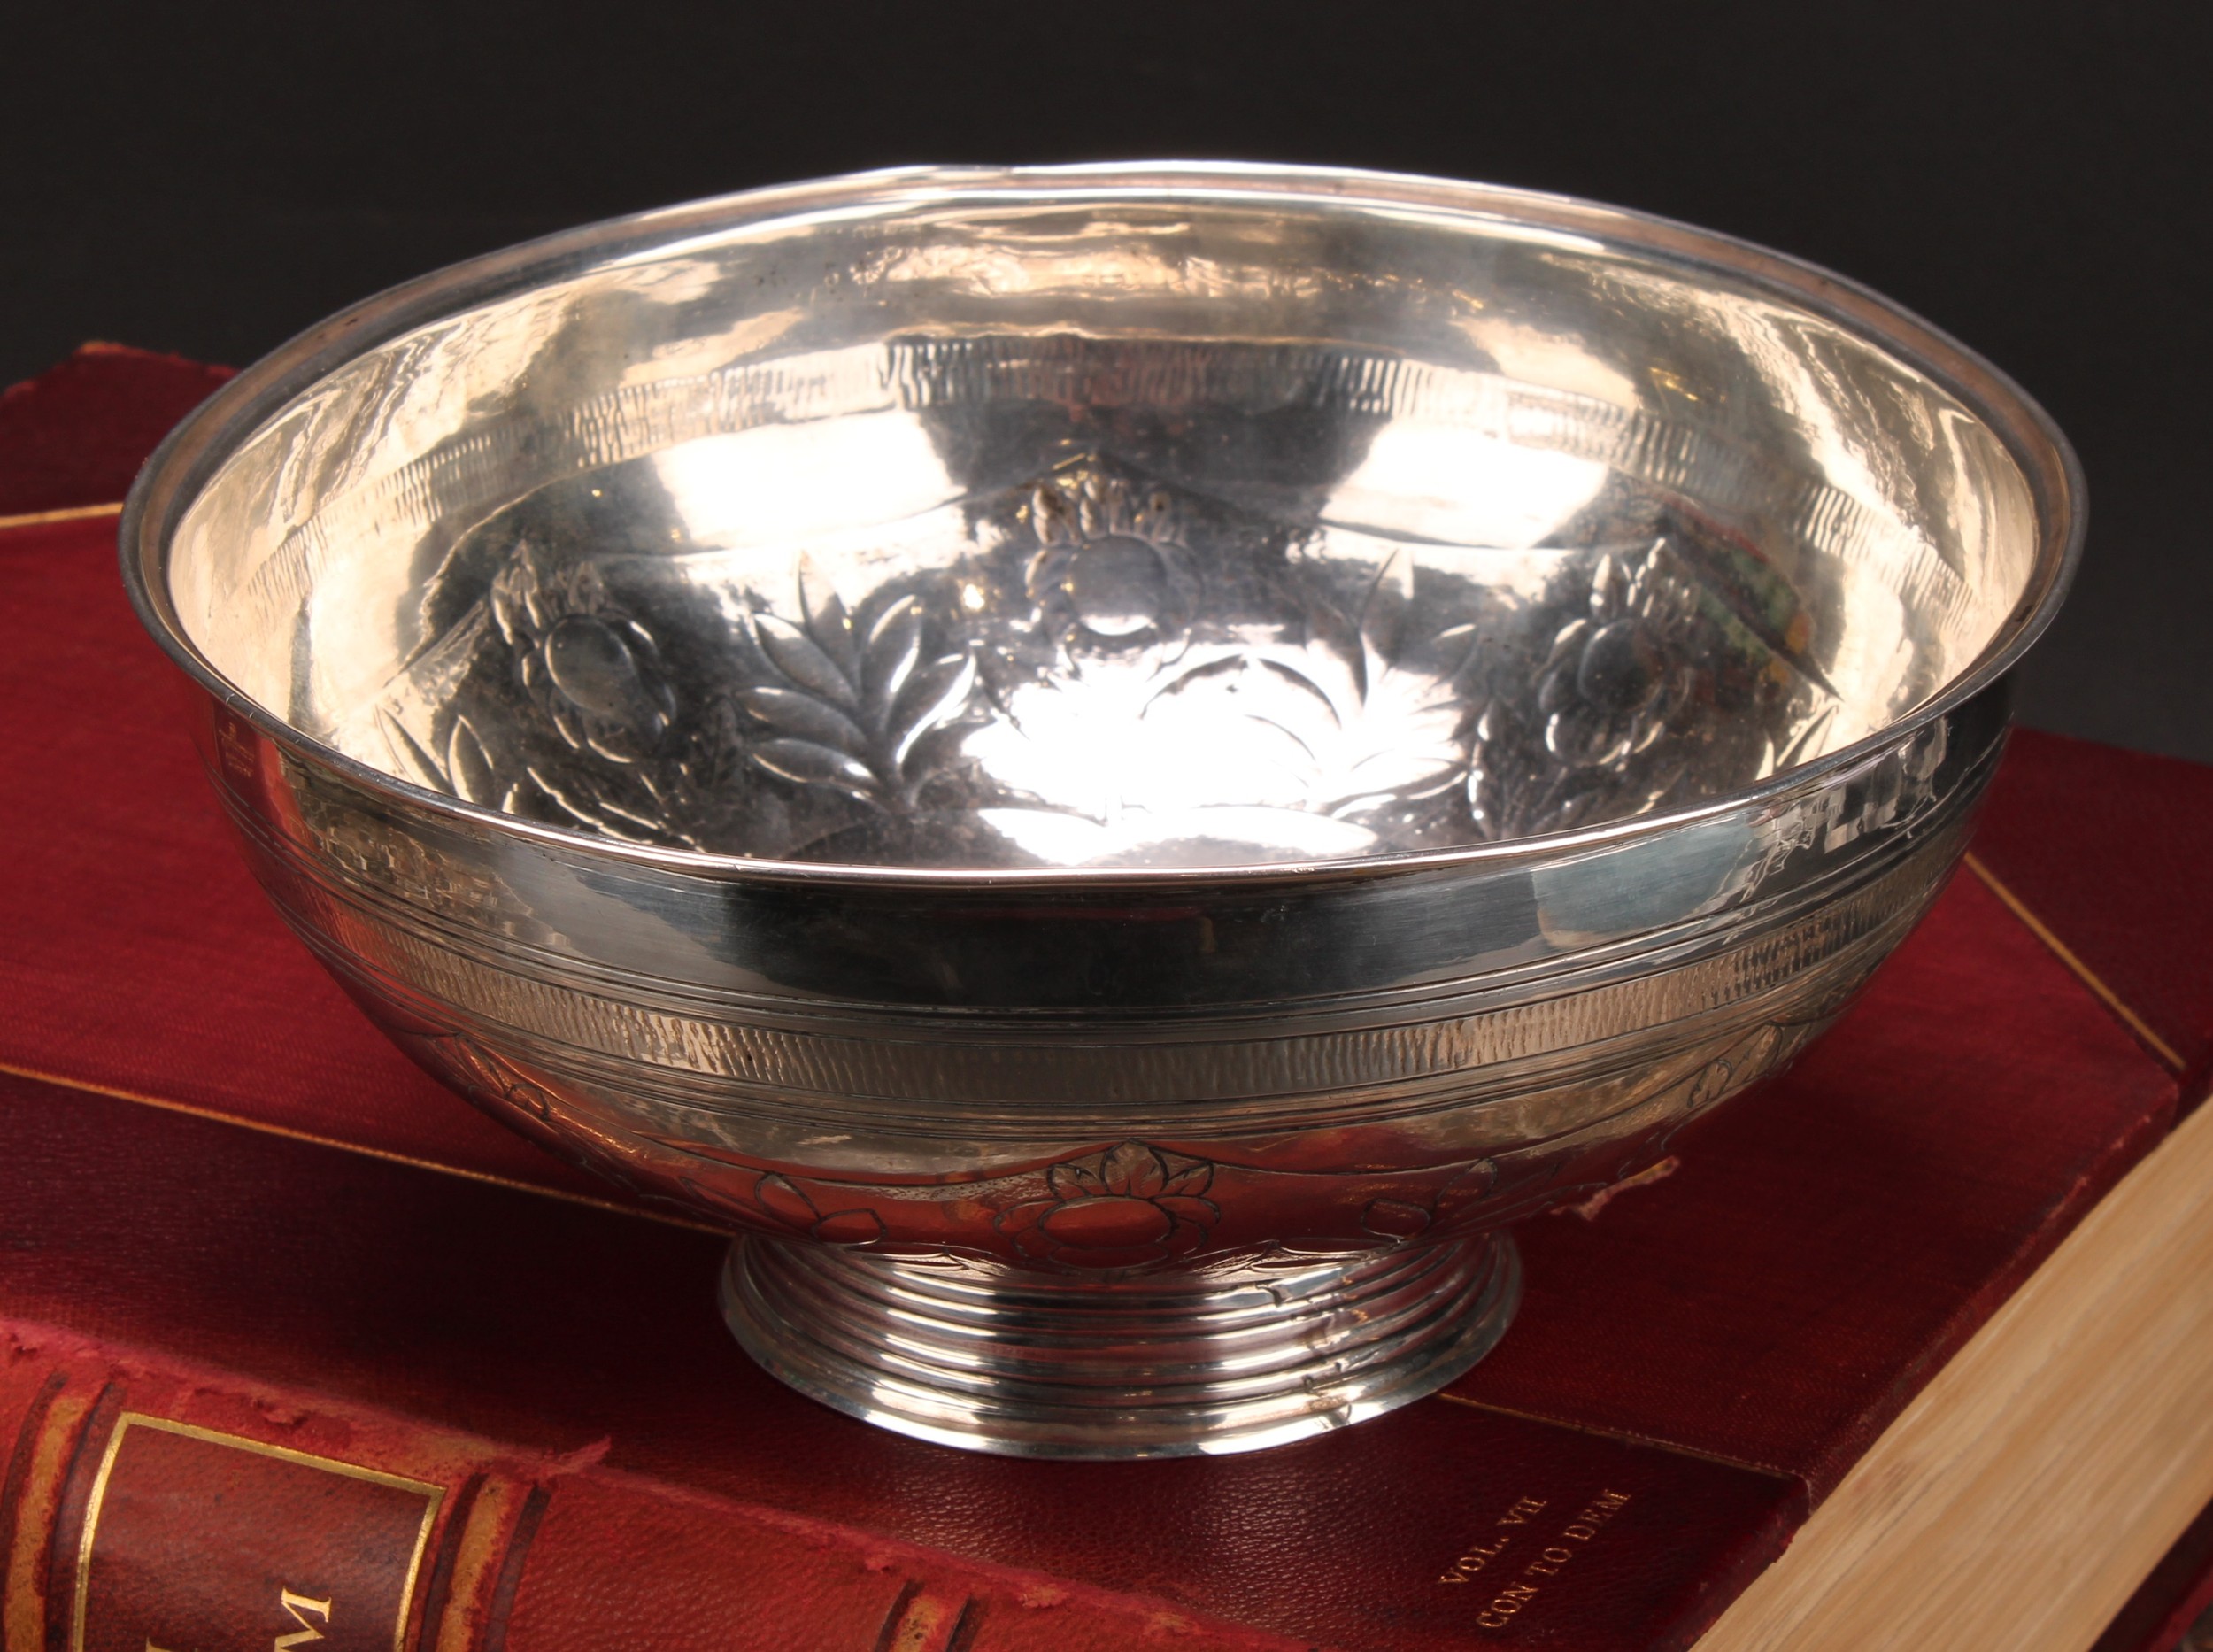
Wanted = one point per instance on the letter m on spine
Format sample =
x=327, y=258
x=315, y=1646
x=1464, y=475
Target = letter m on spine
x=297, y=1605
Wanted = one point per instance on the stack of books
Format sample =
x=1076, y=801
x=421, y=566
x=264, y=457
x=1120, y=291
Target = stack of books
x=1913, y=1348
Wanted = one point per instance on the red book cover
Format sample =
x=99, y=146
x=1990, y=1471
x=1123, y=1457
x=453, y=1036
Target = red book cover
x=344, y=1286
x=2103, y=853
x=1696, y=1364
x=148, y=1503
x=72, y=439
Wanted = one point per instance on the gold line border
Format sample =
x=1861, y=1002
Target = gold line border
x=434, y=1497
x=286, y=1132
x=84, y=1539
x=1623, y=1436
x=2080, y=970
x=67, y=513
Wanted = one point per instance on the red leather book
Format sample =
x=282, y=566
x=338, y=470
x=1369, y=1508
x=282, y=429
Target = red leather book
x=150, y=1503
x=1697, y=1365
x=72, y=439
x=2103, y=853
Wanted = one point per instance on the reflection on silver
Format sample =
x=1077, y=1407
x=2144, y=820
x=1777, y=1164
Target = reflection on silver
x=1095, y=668
x=1118, y=764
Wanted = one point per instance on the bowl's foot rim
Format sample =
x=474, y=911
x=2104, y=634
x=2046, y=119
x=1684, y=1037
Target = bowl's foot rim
x=1166, y=1365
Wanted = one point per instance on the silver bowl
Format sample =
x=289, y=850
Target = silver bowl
x=1115, y=766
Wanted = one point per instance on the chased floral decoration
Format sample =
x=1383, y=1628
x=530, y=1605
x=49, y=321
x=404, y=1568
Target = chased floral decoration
x=1129, y=1207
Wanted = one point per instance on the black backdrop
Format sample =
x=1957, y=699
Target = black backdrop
x=2035, y=182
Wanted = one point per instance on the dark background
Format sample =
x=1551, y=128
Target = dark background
x=2034, y=181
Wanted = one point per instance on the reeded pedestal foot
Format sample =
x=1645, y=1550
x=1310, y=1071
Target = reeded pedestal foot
x=1177, y=1364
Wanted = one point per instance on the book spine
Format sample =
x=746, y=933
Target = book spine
x=149, y=1506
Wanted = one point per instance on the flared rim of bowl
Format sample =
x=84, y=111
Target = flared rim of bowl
x=173, y=478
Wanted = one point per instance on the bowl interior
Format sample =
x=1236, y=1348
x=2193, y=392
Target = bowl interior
x=1093, y=526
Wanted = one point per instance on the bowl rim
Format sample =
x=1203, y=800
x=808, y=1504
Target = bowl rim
x=174, y=474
